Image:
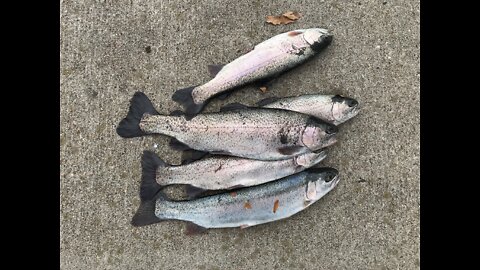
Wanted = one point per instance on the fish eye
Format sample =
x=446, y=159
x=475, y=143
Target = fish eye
x=352, y=103
x=331, y=129
x=330, y=177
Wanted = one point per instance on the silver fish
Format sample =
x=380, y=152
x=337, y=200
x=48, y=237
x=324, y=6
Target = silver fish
x=334, y=109
x=267, y=60
x=245, y=207
x=264, y=134
x=219, y=172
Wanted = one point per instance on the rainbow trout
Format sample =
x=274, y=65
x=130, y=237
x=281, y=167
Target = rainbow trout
x=267, y=60
x=219, y=172
x=245, y=207
x=257, y=133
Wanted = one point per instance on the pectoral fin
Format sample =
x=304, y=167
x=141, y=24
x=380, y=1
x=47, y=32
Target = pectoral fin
x=290, y=150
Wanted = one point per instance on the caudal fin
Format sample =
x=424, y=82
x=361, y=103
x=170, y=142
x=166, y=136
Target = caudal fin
x=149, y=186
x=145, y=214
x=139, y=105
x=184, y=97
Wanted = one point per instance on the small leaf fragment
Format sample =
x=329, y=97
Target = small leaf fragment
x=263, y=89
x=247, y=205
x=275, y=206
x=285, y=18
x=292, y=15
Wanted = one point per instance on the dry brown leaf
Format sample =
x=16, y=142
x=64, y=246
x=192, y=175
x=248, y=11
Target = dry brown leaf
x=247, y=205
x=292, y=15
x=263, y=89
x=275, y=206
x=285, y=18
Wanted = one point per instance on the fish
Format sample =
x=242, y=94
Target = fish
x=333, y=109
x=257, y=133
x=265, y=61
x=245, y=207
x=219, y=172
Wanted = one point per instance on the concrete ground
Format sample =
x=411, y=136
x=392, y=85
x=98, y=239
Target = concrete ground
x=110, y=49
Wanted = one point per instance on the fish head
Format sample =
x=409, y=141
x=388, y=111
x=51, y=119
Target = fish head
x=318, y=134
x=320, y=182
x=309, y=159
x=317, y=38
x=343, y=108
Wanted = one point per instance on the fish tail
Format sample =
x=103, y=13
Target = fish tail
x=184, y=97
x=139, y=105
x=149, y=186
x=145, y=214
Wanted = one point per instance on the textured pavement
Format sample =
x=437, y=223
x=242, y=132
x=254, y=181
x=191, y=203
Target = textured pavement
x=110, y=49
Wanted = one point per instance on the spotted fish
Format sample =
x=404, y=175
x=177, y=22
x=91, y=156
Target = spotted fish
x=245, y=207
x=267, y=60
x=219, y=172
x=257, y=133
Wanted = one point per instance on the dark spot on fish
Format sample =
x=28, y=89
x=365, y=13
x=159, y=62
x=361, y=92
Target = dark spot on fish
x=283, y=135
x=294, y=33
x=361, y=180
x=148, y=49
x=384, y=2
x=275, y=206
x=337, y=98
x=247, y=205
x=300, y=51
x=219, y=168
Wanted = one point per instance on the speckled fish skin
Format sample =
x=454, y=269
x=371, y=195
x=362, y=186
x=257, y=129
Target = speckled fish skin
x=263, y=134
x=223, y=172
x=334, y=109
x=268, y=59
x=254, y=205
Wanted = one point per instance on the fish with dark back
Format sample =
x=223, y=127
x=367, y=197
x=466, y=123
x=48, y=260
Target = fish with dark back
x=242, y=208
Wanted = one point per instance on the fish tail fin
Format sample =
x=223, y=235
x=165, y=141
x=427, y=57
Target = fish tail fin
x=149, y=186
x=145, y=214
x=139, y=105
x=184, y=97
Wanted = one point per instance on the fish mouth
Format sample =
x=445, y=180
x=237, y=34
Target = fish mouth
x=334, y=181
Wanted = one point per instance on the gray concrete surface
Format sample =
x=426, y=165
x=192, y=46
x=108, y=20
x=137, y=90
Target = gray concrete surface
x=370, y=221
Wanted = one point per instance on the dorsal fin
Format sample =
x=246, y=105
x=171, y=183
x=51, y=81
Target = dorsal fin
x=267, y=101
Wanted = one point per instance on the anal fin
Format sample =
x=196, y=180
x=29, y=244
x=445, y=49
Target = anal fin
x=194, y=192
x=189, y=156
x=194, y=229
x=178, y=145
